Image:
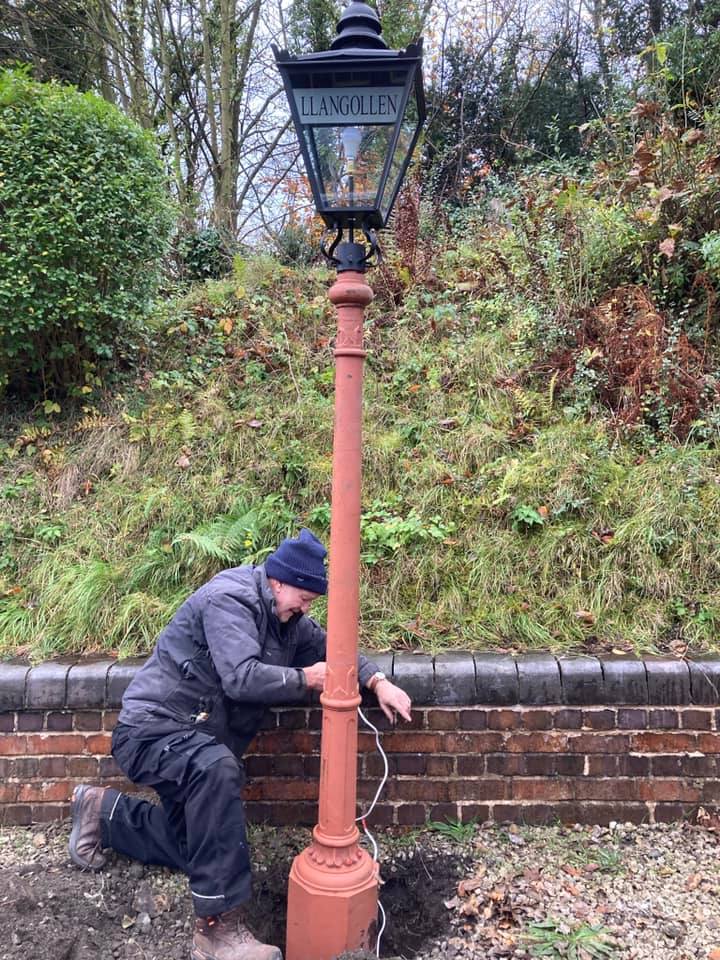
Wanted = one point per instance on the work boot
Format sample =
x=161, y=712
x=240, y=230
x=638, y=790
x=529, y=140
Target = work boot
x=226, y=937
x=85, y=837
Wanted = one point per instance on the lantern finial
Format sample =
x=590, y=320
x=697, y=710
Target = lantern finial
x=359, y=28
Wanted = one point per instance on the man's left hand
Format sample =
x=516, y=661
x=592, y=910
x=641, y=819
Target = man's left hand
x=393, y=700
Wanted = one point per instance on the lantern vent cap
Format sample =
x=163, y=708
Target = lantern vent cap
x=359, y=28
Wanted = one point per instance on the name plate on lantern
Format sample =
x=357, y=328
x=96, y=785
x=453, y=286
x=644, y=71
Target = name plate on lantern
x=349, y=105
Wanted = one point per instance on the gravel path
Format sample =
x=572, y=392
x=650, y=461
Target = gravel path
x=625, y=892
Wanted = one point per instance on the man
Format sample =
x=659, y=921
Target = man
x=239, y=644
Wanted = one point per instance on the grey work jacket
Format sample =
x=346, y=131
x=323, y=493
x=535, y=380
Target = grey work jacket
x=223, y=659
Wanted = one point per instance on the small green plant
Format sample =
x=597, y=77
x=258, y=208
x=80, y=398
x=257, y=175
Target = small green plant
x=454, y=830
x=524, y=519
x=560, y=941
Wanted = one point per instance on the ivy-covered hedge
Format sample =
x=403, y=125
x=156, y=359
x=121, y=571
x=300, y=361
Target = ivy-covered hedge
x=84, y=221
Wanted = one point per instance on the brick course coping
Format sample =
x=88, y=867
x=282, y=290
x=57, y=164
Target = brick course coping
x=533, y=738
x=447, y=679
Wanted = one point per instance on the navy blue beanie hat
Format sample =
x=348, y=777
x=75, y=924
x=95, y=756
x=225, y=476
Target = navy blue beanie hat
x=299, y=563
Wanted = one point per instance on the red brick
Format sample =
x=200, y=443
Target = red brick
x=110, y=719
x=88, y=720
x=701, y=766
x=487, y=789
x=29, y=721
x=474, y=811
x=87, y=767
x=630, y=718
x=259, y=766
x=411, y=741
x=539, y=764
x=568, y=719
x=502, y=764
x=442, y=719
x=411, y=814
x=537, y=719
x=503, y=719
x=673, y=743
x=568, y=765
x=59, y=722
x=16, y=815
x=374, y=766
x=50, y=812
x=473, y=720
x=599, y=719
x=587, y=788
x=542, y=788
x=696, y=719
x=409, y=790
x=469, y=743
x=288, y=766
x=531, y=813
x=630, y=765
x=472, y=766
x=409, y=764
x=312, y=766
x=440, y=766
x=671, y=766
x=99, y=743
x=281, y=790
x=13, y=745
x=595, y=743
x=673, y=790
x=25, y=768
x=711, y=791
x=443, y=811
x=7, y=722
x=44, y=791
x=601, y=765
x=9, y=792
x=707, y=742
x=673, y=812
x=550, y=742
x=290, y=741
x=663, y=719
x=315, y=719
x=52, y=767
x=45, y=743
x=383, y=815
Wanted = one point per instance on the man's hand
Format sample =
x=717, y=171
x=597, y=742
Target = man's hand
x=315, y=675
x=392, y=700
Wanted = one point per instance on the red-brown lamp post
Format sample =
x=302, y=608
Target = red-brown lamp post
x=358, y=110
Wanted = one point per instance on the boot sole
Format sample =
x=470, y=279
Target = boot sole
x=77, y=796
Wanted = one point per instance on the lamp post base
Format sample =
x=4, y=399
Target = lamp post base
x=332, y=903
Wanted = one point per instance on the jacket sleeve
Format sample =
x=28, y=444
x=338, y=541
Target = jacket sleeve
x=236, y=650
x=312, y=647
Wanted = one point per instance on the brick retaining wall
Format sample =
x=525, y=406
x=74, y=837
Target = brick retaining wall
x=530, y=739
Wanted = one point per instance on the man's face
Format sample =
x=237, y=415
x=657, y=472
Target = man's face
x=290, y=600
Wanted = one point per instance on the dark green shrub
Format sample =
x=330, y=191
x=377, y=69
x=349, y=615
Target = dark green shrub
x=204, y=255
x=84, y=221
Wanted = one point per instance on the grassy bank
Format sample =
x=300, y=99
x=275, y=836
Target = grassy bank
x=499, y=511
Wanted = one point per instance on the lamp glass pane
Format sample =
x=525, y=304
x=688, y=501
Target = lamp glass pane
x=403, y=146
x=346, y=183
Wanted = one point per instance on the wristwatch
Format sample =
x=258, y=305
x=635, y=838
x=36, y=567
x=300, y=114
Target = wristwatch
x=375, y=680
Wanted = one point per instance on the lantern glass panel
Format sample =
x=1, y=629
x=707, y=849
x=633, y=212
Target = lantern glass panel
x=347, y=182
x=407, y=133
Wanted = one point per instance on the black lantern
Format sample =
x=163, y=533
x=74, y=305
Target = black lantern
x=358, y=109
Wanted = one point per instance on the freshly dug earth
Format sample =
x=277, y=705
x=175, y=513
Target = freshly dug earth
x=625, y=892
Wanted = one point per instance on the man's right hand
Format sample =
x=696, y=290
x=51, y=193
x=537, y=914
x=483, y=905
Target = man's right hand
x=315, y=675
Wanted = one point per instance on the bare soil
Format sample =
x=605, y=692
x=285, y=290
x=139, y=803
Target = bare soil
x=50, y=910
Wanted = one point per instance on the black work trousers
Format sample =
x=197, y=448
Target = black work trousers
x=200, y=825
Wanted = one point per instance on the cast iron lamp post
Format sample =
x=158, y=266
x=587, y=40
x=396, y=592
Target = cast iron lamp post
x=358, y=109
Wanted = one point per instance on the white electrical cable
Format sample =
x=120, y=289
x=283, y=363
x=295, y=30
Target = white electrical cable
x=361, y=818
